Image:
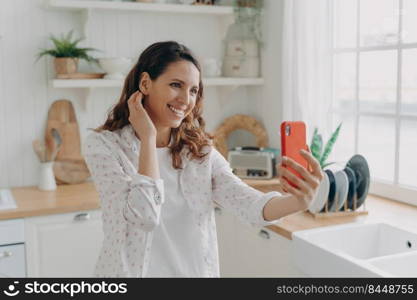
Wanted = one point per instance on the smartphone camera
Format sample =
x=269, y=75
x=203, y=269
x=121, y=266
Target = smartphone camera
x=287, y=130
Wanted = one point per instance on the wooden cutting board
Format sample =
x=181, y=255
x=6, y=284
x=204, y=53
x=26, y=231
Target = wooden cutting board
x=69, y=166
x=70, y=171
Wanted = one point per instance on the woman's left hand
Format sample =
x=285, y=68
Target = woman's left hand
x=308, y=185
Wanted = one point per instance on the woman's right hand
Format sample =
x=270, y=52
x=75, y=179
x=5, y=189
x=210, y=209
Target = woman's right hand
x=139, y=118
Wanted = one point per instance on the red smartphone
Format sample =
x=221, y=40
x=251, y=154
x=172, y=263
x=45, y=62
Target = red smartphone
x=293, y=139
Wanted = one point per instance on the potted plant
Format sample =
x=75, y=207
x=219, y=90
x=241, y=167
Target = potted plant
x=67, y=53
x=316, y=146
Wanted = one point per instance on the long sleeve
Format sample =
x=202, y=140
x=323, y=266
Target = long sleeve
x=231, y=193
x=134, y=197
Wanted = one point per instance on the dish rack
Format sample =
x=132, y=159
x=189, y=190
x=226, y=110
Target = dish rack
x=347, y=188
x=342, y=213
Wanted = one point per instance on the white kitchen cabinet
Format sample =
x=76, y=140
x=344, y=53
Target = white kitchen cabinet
x=265, y=253
x=63, y=245
x=247, y=251
x=226, y=237
x=12, y=260
x=12, y=248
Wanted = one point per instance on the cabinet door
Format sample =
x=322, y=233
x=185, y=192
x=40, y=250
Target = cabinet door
x=12, y=260
x=226, y=237
x=64, y=245
x=263, y=253
x=248, y=251
x=273, y=254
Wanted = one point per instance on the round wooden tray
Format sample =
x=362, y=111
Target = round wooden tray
x=236, y=122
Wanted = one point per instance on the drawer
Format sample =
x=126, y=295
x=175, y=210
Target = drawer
x=12, y=231
x=12, y=261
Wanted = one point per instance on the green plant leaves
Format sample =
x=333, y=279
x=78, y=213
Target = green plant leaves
x=65, y=47
x=317, y=146
x=329, y=145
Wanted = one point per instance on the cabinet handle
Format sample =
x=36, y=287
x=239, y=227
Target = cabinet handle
x=6, y=254
x=82, y=217
x=218, y=210
x=264, y=234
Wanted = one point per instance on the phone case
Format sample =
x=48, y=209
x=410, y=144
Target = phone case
x=293, y=139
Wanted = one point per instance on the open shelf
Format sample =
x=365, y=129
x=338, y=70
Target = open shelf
x=137, y=6
x=101, y=83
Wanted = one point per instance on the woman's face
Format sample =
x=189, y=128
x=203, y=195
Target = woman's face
x=172, y=96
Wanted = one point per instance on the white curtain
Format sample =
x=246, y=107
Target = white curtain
x=307, y=67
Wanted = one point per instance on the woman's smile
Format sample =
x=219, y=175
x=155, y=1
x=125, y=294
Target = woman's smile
x=177, y=112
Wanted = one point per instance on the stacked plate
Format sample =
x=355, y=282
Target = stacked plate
x=342, y=189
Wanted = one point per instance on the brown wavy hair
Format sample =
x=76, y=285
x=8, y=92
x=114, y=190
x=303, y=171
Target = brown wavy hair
x=155, y=59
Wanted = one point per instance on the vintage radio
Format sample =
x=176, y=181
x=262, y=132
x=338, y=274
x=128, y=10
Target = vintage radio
x=252, y=162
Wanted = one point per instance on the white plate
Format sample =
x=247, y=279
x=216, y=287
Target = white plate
x=320, y=199
x=342, y=186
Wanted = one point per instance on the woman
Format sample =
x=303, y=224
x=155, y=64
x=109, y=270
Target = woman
x=158, y=175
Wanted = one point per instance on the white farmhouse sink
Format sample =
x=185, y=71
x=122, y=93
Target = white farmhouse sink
x=356, y=250
x=403, y=265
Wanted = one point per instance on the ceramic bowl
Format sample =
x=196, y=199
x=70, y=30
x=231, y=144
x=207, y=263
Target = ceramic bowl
x=115, y=67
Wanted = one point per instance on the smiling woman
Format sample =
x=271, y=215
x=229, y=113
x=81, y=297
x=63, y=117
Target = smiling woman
x=158, y=175
x=168, y=78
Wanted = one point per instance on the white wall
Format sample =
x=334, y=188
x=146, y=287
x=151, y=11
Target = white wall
x=26, y=93
x=270, y=110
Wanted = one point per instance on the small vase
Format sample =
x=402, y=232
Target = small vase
x=46, y=177
x=65, y=65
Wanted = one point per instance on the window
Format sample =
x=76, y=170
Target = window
x=375, y=90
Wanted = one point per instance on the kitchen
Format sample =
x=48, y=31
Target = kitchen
x=325, y=63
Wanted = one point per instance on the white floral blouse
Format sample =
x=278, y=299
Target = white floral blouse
x=131, y=202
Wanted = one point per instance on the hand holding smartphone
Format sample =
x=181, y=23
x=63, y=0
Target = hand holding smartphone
x=293, y=139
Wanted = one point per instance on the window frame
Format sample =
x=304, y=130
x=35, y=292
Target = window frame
x=395, y=190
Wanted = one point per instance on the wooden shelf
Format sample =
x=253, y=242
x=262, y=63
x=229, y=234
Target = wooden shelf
x=232, y=81
x=86, y=83
x=102, y=83
x=137, y=6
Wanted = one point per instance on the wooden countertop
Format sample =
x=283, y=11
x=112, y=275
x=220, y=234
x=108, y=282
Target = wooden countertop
x=379, y=210
x=31, y=201
x=79, y=197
